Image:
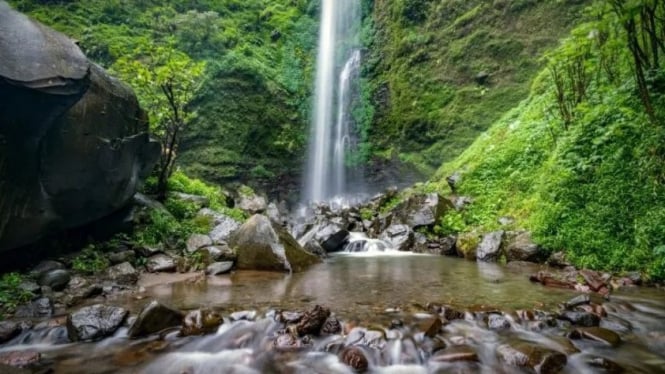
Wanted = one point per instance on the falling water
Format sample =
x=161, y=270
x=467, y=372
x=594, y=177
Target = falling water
x=338, y=63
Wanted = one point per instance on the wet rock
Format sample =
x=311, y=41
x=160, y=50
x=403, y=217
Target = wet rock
x=313, y=321
x=467, y=246
x=8, y=331
x=79, y=290
x=518, y=246
x=431, y=327
x=123, y=274
x=608, y=366
x=201, y=322
x=551, y=280
x=577, y=301
x=160, y=264
x=616, y=324
x=354, y=358
x=45, y=267
x=218, y=253
x=332, y=326
x=598, y=334
x=420, y=244
x=489, y=248
x=19, y=359
x=94, y=322
x=287, y=342
x=154, y=318
x=497, y=322
x=197, y=241
x=56, y=279
x=595, y=280
x=580, y=318
x=148, y=250
x=527, y=355
x=332, y=237
x=40, y=308
x=423, y=210
x=123, y=256
x=219, y=268
x=456, y=353
x=245, y=315
x=400, y=237
x=312, y=246
x=263, y=245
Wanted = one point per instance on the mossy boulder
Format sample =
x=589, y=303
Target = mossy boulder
x=467, y=245
x=262, y=244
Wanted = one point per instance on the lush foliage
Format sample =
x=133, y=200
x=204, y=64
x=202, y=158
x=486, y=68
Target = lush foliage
x=90, y=261
x=253, y=107
x=587, y=179
x=11, y=293
x=441, y=72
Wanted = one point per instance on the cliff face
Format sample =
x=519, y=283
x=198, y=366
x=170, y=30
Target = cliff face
x=441, y=72
x=73, y=141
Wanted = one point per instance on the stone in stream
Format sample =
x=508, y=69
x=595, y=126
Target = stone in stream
x=489, y=248
x=497, y=322
x=598, y=334
x=332, y=326
x=122, y=256
x=40, y=308
x=518, y=246
x=154, y=318
x=331, y=236
x=577, y=301
x=8, y=331
x=220, y=252
x=312, y=321
x=264, y=245
x=616, y=324
x=400, y=237
x=456, y=353
x=431, y=327
x=528, y=355
x=608, y=366
x=123, y=274
x=201, y=322
x=245, y=315
x=94, y=322
x=19, y=359
x=219, y=268
x=57, y=279
x=422, y=210
x=580, y=318
x=355, y=358
x=160, y=263
x=467, y=245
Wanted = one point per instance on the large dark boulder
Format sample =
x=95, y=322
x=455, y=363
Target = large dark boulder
x=73, y=140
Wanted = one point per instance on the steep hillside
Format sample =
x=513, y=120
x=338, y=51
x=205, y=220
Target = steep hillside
x=582, y=160
x=441, y=72
x=252, y=110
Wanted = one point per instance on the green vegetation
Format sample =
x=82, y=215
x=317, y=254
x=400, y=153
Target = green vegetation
x=90, y=261
x=581, y=162
x=253, y=106
x=441, y=72
x=11, y=293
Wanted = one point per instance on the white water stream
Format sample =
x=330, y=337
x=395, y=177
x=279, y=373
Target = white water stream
x=331, y=137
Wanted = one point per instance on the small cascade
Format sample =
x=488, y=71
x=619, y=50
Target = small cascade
x=360, y=242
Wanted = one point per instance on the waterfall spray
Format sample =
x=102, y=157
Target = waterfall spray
x=332, y=135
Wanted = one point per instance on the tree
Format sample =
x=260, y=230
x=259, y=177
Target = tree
x=166, y=81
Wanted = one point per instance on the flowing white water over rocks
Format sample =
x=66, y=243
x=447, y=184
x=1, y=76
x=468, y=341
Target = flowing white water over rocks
x=338, y=63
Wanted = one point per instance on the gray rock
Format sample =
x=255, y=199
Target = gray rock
x=223, y=225
x=40, y=308
x=123, y=274
x=273, y=212
x=518, y=246
x=263, y=245
x=421, y=210
x=122, y=256
x=75, y=140
x=252, y=204
x=197, y=241
x=218, y=268
x=497, y=322
x=489, y=249
x=332, y=237
x=577, y=301
x=558, y=259
x=312, y=246
x=160, y=264
x=154, y=318
x=95, y=322
x=45, y=267
x=527, y=355
x=220, y=252
x=580, y=318
x=148, y=250
x=56, y=279
x=420, y=244
x=30, y=286
x=400, y=237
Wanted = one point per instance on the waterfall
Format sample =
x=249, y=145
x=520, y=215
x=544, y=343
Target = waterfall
x=332, y=135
